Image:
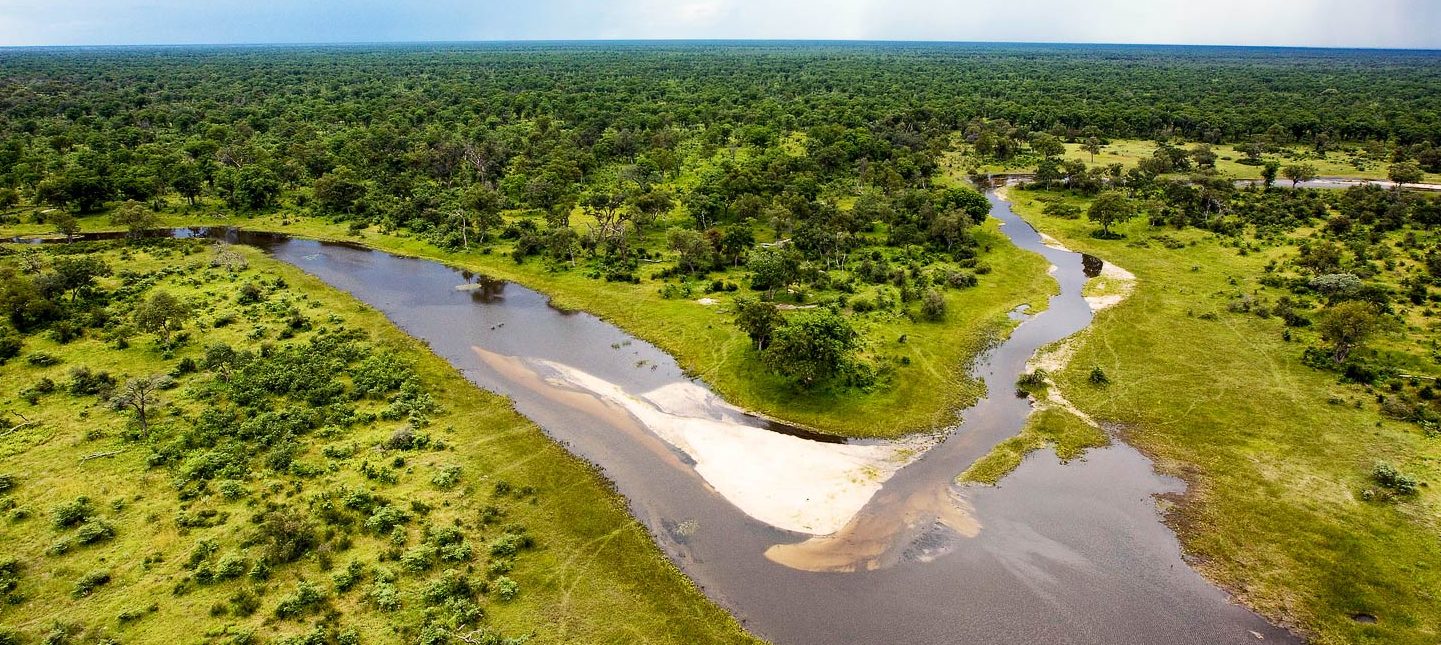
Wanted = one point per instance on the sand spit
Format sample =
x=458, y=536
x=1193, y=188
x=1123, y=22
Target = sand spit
x=787, y=482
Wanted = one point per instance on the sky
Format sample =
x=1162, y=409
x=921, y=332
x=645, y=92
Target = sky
x=1412, y=24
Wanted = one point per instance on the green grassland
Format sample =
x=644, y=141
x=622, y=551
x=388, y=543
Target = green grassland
x=1282, y=507
x=181, y=561
x=927, y=361
x=1347, y=161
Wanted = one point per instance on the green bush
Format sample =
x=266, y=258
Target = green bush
x=1388, y=476
x=88, y=583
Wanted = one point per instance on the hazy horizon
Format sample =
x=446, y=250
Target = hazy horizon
x=1386, y=24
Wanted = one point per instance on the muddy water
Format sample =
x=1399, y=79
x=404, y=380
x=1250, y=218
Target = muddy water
x=1056, y=554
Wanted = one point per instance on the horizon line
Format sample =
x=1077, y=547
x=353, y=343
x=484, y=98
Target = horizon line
x=534, y=41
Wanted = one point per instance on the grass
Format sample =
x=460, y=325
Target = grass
x=930, y=384
x=594, y=576
x=1069, y=435
x=1347, y=162
x=1277, y=454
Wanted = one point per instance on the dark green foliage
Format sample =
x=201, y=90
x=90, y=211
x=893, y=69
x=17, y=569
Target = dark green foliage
x=813, y=347
x=88, y=583
x=1388, y=476
x=72, y=513
x=305, y=599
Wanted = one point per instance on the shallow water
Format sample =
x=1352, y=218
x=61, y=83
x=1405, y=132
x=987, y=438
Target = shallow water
x=1057, y=553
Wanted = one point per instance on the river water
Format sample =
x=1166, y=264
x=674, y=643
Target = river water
x=1073, y=553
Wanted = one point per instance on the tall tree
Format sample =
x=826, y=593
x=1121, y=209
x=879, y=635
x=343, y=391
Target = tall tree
x=1299, y=172
x=161, y=314
x=1110, y=208
x=140, y=395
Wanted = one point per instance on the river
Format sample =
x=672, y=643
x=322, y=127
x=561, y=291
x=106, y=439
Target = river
x=810, y=540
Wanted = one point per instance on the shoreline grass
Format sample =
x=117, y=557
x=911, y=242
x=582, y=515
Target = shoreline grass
x=594, y=575
x=931, y=383
x=1277, y=454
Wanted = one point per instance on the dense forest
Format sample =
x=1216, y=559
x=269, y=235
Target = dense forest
x=794, y=220
x=804, y=165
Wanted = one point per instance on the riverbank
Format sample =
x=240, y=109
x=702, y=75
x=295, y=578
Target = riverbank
x=927, y=388
x=1274, y=460
x=594, y=575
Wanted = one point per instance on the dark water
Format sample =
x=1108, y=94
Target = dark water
x=1064, y=554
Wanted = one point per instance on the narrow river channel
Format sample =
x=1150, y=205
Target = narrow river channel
x=777, y=526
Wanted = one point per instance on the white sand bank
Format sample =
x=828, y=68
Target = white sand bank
x=787, y=482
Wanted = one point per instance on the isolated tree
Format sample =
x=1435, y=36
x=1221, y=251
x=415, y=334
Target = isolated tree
x=161, y=314
x=135, y=217
x=1093, y=146
x=758, y=320
x=1111, y=208
x=1299, y=172
x=813, y=347
x=1406, y=172
x=140, y=395
x=1347, y=326
x=64, y=223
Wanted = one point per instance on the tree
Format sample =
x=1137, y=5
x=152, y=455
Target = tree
x=482, y=205
x=1269, y=171
x=1406, y=172
x=758, y=320
x=1347, y=326
x=694, y=251
x=64, y=223
x=1047, y=146
x=161, y=314
x=1093, y=146
x=140, y=395
x=1299, y=172
x=1110, y=208
x=771, y=268
x=339, y=191
x=812, y=347
x=135, y=217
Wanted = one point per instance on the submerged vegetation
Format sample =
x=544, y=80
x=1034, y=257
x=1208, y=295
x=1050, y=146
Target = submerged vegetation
x=202, y=441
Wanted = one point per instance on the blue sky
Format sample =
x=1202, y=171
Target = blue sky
x=1343, y=23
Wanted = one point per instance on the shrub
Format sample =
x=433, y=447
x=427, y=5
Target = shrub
x=384, y=596
x=1387, y=475
x=306, y=598
x=447, y=478
x=346, y=578
x=10, y=345
x=244, y=603
x=41, y=359
x=231, y=566
x=933, y=305
x=94, y=530
x=1098, y=376
x=88, y=583
x=506, y=589
x=385, y=518
x=72, y=512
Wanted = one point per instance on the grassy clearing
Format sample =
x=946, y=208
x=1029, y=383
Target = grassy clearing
x=593, y=575
x=1069, y=435
x=928, y=386
x=1278, y=454
x=1347, y=162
